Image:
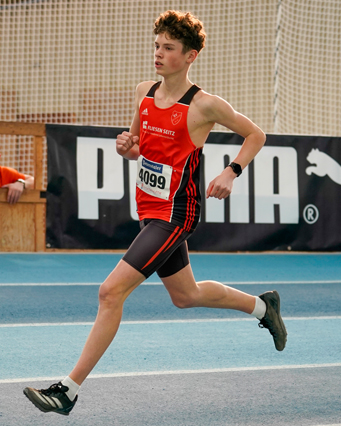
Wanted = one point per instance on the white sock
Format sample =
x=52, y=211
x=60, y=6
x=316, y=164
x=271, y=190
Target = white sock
x=73, y=388
x=260, y=308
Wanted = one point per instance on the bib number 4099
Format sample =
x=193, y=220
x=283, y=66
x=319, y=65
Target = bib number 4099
x=154, y=178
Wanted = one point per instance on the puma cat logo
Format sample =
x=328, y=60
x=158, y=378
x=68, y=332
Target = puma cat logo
x=323, y=165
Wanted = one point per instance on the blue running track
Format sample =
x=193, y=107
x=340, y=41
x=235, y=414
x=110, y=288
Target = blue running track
x=169, y=366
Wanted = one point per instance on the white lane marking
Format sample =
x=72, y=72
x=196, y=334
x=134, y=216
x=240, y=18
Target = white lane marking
x=48, y=284
x=287, y=282
x=172, y=321
x=173, y=372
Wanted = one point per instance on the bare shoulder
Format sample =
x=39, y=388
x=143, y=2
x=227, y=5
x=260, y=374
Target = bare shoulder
x=143, y=87
x=215, y=109
x=201, y=118
x=211, y=105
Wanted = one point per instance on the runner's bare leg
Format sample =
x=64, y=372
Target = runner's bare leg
x=112, y=294
x=185, y=292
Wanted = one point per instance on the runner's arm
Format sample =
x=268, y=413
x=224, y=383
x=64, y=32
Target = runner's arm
x=221, y=112
x=127, y=143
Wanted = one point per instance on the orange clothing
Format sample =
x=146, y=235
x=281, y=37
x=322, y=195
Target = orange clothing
x=9, y=175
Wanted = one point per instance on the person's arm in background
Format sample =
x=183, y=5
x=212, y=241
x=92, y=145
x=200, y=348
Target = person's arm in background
x=15, y=189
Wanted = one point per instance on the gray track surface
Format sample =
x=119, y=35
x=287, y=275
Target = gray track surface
x=299, y=397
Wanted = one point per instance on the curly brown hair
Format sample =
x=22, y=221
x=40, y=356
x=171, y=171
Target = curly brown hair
x=182, y=26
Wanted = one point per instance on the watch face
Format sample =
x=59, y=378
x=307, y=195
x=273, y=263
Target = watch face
x=236, y=168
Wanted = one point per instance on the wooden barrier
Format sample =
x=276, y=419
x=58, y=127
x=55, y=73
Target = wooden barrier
x=22, y=225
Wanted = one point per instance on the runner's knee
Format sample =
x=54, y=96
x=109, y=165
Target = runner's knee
x=184, y=300
x=110, y=294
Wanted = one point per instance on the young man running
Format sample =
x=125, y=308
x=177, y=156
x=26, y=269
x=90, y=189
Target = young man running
x=172, y=121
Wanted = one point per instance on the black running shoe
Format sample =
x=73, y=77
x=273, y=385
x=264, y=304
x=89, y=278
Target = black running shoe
x=273, y=320
x=52, y=399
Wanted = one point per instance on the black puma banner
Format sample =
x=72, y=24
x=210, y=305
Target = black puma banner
x=288, y=198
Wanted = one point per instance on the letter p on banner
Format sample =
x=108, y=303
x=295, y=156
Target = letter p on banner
x=89, y=193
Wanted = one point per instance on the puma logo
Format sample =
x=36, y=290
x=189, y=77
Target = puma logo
x=323, y=165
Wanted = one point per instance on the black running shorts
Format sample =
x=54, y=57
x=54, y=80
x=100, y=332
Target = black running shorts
x=160, y=247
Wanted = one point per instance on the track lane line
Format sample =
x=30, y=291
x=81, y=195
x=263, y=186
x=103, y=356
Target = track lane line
x=177, y=321
x=180, y=372
x=160, y=284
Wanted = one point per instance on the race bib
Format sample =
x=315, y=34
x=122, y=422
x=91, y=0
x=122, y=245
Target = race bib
x=154, y=178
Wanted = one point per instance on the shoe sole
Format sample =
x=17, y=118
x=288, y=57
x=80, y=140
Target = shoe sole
x=31, y=397
x=284, y=330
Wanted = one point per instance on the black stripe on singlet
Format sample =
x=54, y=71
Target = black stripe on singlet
x=151, y=91
x=185, y=100
x=188, y=96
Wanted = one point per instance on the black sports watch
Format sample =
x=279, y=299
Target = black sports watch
x=236, y=168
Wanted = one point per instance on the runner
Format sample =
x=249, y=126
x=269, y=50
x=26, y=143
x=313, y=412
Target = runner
x=172, y=121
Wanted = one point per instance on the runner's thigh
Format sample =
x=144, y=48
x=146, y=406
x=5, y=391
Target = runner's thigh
x=154, y=245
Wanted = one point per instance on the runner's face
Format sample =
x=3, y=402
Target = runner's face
x=169, y=56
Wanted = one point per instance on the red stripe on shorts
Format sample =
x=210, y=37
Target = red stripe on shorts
x=169, y=243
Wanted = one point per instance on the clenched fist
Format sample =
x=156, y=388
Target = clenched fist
x=125, y=142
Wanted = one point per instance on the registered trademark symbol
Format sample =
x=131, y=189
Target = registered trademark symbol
x=310, y=214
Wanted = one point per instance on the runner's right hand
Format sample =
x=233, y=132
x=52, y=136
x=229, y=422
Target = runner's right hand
x=125, y=141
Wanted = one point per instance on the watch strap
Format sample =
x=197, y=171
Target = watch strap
x=21, y=181
x=236, y=168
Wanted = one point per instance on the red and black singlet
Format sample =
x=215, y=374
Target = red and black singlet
x=168, y=174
